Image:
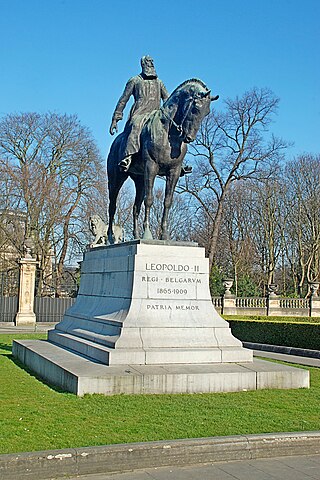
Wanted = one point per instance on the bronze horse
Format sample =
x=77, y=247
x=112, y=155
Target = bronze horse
x=163, y=146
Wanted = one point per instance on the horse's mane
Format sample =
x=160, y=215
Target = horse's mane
x=186, y=82
x=197, y=81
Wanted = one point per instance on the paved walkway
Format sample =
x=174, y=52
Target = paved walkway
x=37, y=328
x=283, y=468
x=284, y=357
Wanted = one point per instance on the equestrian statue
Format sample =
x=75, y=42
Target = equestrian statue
x=154, y=141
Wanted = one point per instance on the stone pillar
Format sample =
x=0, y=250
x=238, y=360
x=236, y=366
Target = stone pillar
x=26, y=315
x=314, y=300
x=228, y=299
x=273, y=302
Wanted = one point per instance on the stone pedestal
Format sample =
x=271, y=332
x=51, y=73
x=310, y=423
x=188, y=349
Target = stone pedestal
x=273, y=305
x=314, y=306
x=229, y=304
x=147, y=303
x=26, y=315
x=144, y=322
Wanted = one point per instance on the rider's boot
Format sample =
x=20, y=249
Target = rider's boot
x=125, y=164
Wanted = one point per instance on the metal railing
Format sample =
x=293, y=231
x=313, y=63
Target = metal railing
x=8, y=308
x=51, y=309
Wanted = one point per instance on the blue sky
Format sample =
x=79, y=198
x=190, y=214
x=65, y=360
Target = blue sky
x=75, y=56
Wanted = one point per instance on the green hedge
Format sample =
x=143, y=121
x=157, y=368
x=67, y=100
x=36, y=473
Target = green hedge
x=299, y=335
x=264, y=318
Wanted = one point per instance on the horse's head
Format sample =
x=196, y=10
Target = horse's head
x=193, y=110
x=192, y=99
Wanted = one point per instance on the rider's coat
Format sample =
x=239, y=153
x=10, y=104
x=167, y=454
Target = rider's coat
x=147, y=93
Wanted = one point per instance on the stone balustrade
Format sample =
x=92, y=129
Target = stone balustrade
x=251, y=302
x=294, y=303
x=272, y=305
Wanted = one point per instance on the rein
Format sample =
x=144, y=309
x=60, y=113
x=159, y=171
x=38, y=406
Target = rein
x=178, y=127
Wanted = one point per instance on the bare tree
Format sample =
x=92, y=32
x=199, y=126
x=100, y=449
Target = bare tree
x=232, y=145
x=266, y=211
x=54, y=165
x=303, y=210
x=236, y=239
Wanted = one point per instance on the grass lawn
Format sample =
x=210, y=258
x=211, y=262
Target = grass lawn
x=33, y=416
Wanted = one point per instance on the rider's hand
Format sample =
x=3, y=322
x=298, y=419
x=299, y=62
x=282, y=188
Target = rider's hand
x=113, y=127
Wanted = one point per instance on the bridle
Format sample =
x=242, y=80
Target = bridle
x=179, y=127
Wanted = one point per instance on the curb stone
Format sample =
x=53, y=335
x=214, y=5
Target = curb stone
x=301, y=352
x=127, y=457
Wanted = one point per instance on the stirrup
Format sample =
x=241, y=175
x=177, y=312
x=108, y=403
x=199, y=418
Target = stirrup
x=124, y=165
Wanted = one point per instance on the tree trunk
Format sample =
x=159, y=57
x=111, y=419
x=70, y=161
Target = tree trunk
x=214, y=236
x=65, y=244
x=213, y=245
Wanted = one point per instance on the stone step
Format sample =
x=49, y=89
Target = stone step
x=96, y=351
x=103, y=319
x=156, y=356
x=107, y=340
x=95, y=330
x=79, y=375
x=108, y=354
x=85, y=347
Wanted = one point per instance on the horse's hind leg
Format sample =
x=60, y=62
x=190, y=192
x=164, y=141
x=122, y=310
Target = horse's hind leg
x=114, y=189
x=139, y=184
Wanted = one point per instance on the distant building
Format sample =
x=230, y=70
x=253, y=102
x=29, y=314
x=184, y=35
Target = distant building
x=12, y=232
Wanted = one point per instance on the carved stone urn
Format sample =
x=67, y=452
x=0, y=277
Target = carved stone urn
x=28, y=247
x=227, y=283
x=272, y=289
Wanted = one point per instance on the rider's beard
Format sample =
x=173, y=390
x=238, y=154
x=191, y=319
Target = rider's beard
x=149, y=71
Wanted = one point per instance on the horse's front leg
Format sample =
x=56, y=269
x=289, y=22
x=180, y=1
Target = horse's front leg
x=171, y=182
x=139, y=184
x=151, y=170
